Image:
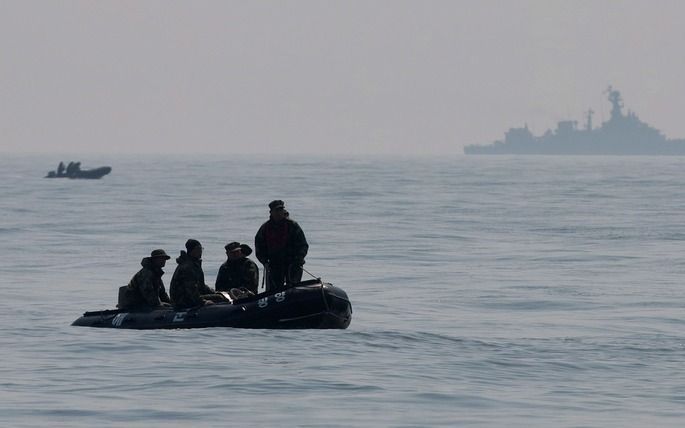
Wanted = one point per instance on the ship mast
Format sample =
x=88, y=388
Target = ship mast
x=588, y=123
x=616, y=103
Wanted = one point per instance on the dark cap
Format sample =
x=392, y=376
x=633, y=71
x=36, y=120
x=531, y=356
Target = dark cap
x=159, y=253
x=276, y=204
x=192, y=243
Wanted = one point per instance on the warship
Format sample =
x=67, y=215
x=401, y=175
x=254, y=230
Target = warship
x=622, y=134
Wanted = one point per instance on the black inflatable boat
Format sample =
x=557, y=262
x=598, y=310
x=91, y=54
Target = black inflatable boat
x=309, y=304
x=93, y=174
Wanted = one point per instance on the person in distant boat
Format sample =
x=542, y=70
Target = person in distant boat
x=281, y=246
x=60, y=169
x=70, y=169
x=188, y=288
x=238, y=271
x=73, y=169
x=146, y=288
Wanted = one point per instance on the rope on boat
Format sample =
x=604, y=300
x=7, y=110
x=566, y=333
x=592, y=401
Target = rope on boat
x=266, y=272
x=323, y=293
x=310, y=274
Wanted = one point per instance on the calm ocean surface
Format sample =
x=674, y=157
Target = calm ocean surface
x=487, y=291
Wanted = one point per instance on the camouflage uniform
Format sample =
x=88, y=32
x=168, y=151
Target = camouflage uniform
x=146, y=287
x=282, y=246
x=188, y=286
x=238, y=273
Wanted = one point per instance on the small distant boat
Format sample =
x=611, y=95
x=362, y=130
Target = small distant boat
x=309, y=304
x=94, y=173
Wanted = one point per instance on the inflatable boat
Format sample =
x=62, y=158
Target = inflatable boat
x=93, y=174
x=309, y=304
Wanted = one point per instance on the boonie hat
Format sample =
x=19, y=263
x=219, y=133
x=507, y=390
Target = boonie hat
x=246, y=250
x=232, y=246
x=159, y=253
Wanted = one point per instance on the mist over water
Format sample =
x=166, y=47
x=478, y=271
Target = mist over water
x=487, y=291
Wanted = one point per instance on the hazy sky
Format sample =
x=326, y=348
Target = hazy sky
x=339, y=77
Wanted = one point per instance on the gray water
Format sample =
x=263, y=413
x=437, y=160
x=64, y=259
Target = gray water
x=487, y=291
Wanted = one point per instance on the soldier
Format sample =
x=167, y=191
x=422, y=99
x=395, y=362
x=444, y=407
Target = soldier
x=146, y=288
x=281, y=247
x=238, y=271
x=188, y=286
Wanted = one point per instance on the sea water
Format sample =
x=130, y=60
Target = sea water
x=487, y=291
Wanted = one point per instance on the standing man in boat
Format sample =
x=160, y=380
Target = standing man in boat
x=188, y=288
x=146, y=288
x=281, y=247
x=238, y=271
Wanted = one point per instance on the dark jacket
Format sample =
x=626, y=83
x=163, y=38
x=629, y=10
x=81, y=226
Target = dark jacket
x=281, y=242
x=238, y=273
x=188, y=282
x=146, y=288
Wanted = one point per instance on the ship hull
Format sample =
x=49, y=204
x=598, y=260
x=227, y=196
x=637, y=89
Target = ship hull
x=582, y=148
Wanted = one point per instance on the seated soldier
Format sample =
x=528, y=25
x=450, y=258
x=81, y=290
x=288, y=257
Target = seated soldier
x=238, y=271
x=188, y=288
x=146, y=289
